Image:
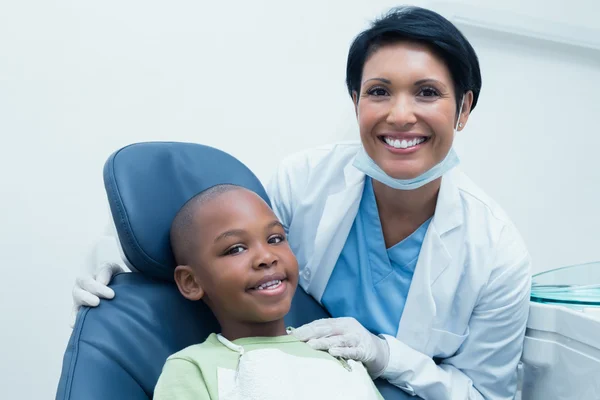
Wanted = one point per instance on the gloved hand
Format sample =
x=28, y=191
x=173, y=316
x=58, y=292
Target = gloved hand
x=347, y=338
x=88, y=290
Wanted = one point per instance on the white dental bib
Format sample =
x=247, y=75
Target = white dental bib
x=272, y=374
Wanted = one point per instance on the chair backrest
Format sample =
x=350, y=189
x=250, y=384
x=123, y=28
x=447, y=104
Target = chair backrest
x=117, y=350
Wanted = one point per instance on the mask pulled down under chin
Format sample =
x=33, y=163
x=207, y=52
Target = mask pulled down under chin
x=365, y=164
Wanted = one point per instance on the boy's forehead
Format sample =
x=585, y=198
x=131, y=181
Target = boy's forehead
x=228, y=205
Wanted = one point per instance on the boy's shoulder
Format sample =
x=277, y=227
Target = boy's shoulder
x=199, y=351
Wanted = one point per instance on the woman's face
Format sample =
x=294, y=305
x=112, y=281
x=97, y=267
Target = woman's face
x=406, y=109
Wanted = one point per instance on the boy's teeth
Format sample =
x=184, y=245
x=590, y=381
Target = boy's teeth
x=269, y=285
x=403, y=144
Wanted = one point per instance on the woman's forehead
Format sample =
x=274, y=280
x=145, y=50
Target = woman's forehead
x=405, y=59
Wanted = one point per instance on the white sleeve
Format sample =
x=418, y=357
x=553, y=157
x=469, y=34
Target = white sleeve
x=485, y=367
x=283, y=188
x=106, y=251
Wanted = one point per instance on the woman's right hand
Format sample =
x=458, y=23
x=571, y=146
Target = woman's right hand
x=88, y=289
x=91, y=287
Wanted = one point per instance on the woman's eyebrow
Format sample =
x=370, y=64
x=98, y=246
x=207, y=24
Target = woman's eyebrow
x=382, y=80
x=429, y=80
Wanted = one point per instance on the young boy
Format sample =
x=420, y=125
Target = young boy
x=232, y=253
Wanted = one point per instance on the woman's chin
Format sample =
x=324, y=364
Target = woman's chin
x=405, y=169
x=404, y=173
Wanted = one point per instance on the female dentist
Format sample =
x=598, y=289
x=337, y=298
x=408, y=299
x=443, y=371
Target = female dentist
x=426, y=278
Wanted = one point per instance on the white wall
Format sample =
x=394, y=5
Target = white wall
x=261, y=79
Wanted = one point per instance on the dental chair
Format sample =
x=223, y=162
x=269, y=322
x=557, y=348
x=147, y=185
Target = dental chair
x=117, y=350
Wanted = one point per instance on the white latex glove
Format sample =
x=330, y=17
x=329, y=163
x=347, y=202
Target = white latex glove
x=347, y=338
x=90, y=288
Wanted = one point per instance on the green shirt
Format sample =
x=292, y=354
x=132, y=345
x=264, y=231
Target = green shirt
x=192, y=372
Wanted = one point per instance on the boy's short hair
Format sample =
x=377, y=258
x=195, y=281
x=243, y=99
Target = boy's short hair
x=183, y=227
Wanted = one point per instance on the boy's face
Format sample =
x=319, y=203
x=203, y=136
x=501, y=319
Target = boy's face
x=242, y=263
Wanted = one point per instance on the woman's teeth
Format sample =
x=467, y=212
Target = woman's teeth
x=403, y=144
x=269, y=285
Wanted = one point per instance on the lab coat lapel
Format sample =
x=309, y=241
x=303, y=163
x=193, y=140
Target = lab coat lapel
x=420, y=310
x=338, y=216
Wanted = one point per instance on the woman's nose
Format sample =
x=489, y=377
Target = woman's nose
x=401, y=112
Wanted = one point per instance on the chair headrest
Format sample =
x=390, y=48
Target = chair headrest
x=147, y=184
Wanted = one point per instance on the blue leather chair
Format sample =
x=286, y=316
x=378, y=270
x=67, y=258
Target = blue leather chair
x=117, y=350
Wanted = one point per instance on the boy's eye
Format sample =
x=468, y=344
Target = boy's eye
x=275, y=239
x=234, y=250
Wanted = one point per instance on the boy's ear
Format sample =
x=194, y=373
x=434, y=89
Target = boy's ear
x=187, y=283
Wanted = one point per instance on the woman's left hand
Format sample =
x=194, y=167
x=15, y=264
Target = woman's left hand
x=347, y=338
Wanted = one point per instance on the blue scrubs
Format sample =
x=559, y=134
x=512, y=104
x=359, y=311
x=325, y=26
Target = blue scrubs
x=370, y=282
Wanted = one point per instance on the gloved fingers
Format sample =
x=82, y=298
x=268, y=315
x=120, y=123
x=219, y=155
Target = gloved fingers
x=334, y=341
x=321, y=328
x=106, y=273
x=312, y=330
x=83, y=298
x=348, y=353
x=95, y=288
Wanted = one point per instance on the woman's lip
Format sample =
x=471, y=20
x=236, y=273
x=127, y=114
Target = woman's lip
x=402, y=136
x=408, y=150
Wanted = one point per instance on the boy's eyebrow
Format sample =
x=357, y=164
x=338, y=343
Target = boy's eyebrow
x=233, y=232
x=240, y=232
x=274, y=224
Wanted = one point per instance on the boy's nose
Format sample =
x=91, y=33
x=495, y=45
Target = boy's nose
x=265, y=259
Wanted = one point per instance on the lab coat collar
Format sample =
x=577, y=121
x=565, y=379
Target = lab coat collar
x=448, y=211
x=420, y=310
x=340, y=208
x=353, y=175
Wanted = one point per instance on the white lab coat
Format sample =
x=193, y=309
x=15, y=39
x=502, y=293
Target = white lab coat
x=468, y=302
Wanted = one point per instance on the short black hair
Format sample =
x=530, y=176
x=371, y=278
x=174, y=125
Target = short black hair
x=183, y=227
x=410, y=23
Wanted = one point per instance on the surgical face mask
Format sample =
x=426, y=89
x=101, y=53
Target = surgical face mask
x=365, y=164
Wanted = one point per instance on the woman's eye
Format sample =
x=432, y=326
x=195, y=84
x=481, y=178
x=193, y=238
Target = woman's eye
x=429, y=92
x=377, y=92
x=234, y=250
x=276, y=239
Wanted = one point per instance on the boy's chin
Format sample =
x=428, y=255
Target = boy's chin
x=273, y=315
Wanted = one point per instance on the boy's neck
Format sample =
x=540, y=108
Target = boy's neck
x=233, y=330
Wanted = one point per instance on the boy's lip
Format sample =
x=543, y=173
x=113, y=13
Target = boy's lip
x=268, y=278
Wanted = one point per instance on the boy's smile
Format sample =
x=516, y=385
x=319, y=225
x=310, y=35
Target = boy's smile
x=270, y=285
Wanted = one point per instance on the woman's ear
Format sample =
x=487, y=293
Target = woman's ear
x=466, y=110
x=187, y=283
x=355, y=101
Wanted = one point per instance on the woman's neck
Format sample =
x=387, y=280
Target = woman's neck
x=401, y=212
x=233, y=330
